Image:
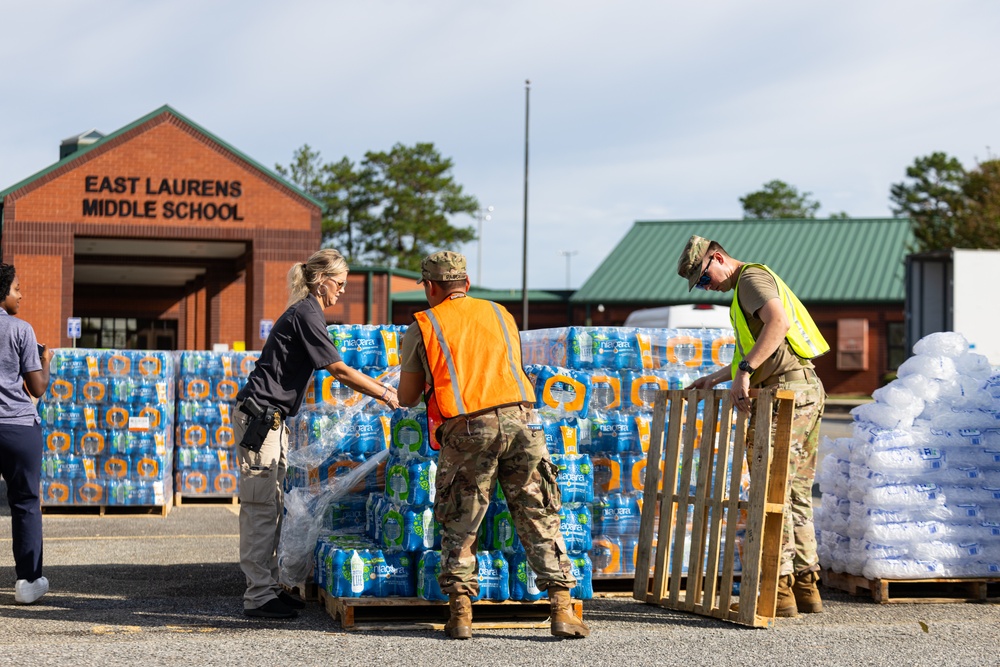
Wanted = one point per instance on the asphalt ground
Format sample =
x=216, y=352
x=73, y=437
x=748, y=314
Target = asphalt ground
x=151, y=590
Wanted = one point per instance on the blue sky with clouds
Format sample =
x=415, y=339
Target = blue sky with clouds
x=639, y=110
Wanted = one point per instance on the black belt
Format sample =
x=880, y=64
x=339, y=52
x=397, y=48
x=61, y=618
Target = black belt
x=242, y=405
x=806, y=374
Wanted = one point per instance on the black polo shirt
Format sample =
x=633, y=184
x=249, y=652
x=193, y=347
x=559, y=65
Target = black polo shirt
x=298, y=345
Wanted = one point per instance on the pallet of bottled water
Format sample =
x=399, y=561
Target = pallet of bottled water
x=107, y=426
x=595, y=388
x=206, y=461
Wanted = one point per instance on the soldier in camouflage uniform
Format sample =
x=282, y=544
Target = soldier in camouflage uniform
x=463, y=355
x=775, y=342
x=799, y=534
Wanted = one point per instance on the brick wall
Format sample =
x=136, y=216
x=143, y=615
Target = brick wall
x=278, y=226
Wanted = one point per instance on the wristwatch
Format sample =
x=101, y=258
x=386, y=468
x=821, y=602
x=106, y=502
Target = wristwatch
x=746, y=368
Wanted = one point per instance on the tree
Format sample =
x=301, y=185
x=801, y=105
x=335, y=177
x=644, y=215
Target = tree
x=344, y=192
x=415, y=194
x=778, y=200
x=932, y=199
x=391, y=209
x=948, y=206
x=982, y=206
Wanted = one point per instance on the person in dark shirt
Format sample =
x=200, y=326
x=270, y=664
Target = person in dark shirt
x=297, y=345
x=24, y=369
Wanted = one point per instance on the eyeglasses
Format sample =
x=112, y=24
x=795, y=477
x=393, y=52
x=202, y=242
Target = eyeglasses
x=705, y=279
x=340, y=284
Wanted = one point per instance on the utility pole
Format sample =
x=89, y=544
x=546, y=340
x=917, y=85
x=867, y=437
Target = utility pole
x=567, y=254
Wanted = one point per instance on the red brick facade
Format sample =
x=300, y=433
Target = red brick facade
x=161, y=179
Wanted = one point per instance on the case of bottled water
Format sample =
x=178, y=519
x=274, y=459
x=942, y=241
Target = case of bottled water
x=107, y=421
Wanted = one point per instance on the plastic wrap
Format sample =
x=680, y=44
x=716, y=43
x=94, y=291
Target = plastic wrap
x=305, y=508
x=340, y=432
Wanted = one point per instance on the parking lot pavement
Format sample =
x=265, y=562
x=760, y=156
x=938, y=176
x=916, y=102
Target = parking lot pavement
x=129, y=590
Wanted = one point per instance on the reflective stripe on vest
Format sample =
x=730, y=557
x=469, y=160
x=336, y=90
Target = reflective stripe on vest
x=514, y=364
x=470, y=373
x=803, y=335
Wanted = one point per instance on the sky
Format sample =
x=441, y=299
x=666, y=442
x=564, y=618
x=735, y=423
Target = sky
x=642, y=110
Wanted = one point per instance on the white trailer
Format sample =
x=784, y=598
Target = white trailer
x=946, y=290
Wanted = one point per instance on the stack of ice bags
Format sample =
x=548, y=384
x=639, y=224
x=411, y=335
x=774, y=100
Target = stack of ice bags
x=915, y=493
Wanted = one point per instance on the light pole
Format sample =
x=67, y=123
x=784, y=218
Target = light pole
x=567, y=254
x=524, y=250
x=482, y=214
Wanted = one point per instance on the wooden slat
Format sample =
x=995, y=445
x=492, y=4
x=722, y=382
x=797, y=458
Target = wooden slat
x=732, y=505
x=753, y=545
x=777, y=486
x=647, y=522
x=671, y=456
x=680, y=522
x=719, y=465
x=706, y=465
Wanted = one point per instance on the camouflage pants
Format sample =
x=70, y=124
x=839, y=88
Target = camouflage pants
x=476, y=454
x=798, y=552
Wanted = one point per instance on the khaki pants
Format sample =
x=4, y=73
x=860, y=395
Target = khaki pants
x=261, y=508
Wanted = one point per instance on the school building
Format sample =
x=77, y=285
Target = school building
x=162, y=236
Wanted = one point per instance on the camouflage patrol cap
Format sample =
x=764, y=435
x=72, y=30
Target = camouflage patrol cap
x=690, y=263
x=443, y=265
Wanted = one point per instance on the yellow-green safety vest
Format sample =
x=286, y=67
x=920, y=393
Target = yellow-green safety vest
x=803, y=334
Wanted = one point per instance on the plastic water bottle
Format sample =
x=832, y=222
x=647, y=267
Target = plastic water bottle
x=398, y=485
x=59, y=441
x=582, y=570
x=575, y=524
x=428, y=569
x=494, y=576
x=523, y=580
x=502, y=535
x=603, y=435
x=575, y=479
x=606, y=555
x=358, y=577
x=399, y=575
x=409, y=435
x=607, y=473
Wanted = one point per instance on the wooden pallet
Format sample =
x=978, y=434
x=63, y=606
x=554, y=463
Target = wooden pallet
x=106, y=510
x=418, y=614
x=613, y=587
x=205, y=499
x=624, y=586
x=705, y=589
x=914, y=591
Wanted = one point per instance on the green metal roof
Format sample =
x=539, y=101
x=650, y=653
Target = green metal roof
x=822, y=260
x=165, y=109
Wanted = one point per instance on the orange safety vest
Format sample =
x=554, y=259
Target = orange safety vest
x=474, y=354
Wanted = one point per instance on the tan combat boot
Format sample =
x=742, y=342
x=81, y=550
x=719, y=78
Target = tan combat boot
x=459, y=625
x=786, y=607
x=806, y=593
x=564, y=621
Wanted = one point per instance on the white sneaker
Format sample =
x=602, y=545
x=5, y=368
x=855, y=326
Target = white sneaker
x=27, y=592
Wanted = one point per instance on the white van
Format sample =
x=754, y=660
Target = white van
x=687, y=316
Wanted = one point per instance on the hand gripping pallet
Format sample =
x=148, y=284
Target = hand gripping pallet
x=704, y=590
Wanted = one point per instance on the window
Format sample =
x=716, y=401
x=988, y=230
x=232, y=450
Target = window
x=895, y=337
x=852, y=344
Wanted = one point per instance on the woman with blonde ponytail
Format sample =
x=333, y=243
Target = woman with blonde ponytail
x=297, y=345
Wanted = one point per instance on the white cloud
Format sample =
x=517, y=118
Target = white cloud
x=639, y=110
